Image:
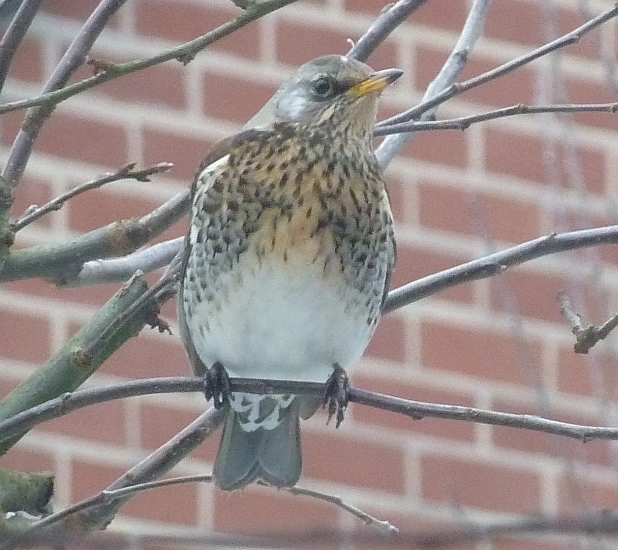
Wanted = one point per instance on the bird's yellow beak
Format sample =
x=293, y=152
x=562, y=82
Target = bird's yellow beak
x=376, y=82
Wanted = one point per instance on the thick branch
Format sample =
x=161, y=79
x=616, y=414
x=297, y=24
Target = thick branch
x=74, y=363
x=62, y=262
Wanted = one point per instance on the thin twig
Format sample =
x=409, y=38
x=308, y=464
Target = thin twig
x=127, y=172
x=452, y=68
x=392, y=16
x=456, y=89
x=71, y=60
x=462, y=123
x=382, y=526
x=184, y=53
x=585, y=337
x=416, y=410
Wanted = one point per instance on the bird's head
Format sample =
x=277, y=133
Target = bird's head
x=332, y=88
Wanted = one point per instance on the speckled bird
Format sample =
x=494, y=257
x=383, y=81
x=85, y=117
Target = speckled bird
x=288, y=258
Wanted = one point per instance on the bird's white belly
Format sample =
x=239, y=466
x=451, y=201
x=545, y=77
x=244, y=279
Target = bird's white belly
x=281, y=320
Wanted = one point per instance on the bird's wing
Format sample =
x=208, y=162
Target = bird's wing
x=204, y=177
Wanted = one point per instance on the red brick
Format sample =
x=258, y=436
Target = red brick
x=28, y=64
x=13, y=326
x=25, y=460
x=414, y=263
x=534, y=442
x=89, y=141
x=485, y=354
x=32, y=191
x=567, y=20
x=182, y=22
x=174, y=504
x=100, y=207
x=161, y=85
x=434, y=427
x=511, y=89
x=448, y=148
x=268, y=510
x=103, y=422
x=388, y=342
x=233, y=98
x=147, y=358
x=68, y=9
x=89, y=478
x=318, y=41
x=360, y=463
x=576, y=495
x=159, y=423
x=514, y=154
x=581, y=90
x=185, y=152
x=520, y=21
x=459, y=211
x=535, y=294
x=479, y=485
x=590, y=375
x=441, y=14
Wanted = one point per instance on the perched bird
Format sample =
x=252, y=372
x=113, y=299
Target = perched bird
x=288, y=258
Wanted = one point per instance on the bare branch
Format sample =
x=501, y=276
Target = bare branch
x=71, y=60
x=462, y=123
x=382, y=526
x=99, y=272
x=586, y=337
x=450, y=71
x=456, y=89
x=416, y=410
x=127, y=172
x=391, y=17
x=491, y=265
x=64, y=526
x=14, y=34
x=183, y=53
x=62, y=262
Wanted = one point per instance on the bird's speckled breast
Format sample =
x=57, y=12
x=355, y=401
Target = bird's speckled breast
x=290, y=258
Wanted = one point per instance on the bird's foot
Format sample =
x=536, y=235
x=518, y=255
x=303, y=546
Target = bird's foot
x=336, y=394
x=217, y=384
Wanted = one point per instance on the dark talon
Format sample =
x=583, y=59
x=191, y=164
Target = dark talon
x=217, y=384
x=336, y=394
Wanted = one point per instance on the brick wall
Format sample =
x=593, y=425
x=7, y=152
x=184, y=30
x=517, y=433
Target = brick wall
x=498, y=344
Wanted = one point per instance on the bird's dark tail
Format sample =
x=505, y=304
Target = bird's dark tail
x=271, y=455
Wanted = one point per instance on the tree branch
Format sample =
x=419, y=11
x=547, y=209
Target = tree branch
x=494, y=264
x=184, y=53
x=462, y=123
x=416, y=410
x=126, y=172
x=458, y=88
x=391, y=17
x=62, y=262
x=455, y=63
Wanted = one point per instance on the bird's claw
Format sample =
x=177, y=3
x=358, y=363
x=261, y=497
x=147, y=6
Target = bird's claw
x=336, y=394
x=217, y=384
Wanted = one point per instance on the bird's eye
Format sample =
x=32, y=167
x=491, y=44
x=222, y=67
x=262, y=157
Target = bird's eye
x=324, y=87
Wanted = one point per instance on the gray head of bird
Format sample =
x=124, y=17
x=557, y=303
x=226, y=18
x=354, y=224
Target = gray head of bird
x=331, y=89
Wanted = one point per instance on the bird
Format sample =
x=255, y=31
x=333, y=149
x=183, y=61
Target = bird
x=287, y=259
